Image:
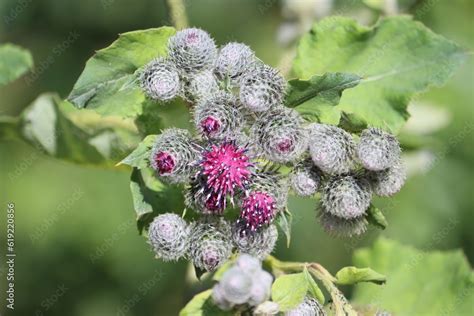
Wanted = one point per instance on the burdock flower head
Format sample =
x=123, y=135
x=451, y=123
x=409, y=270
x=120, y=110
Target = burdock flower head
x=160, y=80
x=280, y=135
x=209, y=244
x=219, y=116
x=234, y=61
x=224, y=169
x=262, y=89
x=266, y=197
x=192, y=50
x=172, y=154
x=245, y=151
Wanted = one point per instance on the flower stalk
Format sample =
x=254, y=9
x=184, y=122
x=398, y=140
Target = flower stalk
x=177, y=9
x=339, y=302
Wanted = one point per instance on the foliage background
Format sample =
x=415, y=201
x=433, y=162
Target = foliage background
x=80, y=254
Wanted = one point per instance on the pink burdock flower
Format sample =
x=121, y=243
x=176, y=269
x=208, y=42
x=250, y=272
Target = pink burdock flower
x=225, y=168
x=219, y=116
x=258, y=209
x=163, y=162
x=210, y=125
x=192, y=37
x=267, y=196
x=285, y=145
x=172, y=155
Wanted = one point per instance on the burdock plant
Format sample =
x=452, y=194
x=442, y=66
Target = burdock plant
x=254, y=140
x=231, y=168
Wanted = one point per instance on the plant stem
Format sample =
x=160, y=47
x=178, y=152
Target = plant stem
x=177, y=9
x=340, y=303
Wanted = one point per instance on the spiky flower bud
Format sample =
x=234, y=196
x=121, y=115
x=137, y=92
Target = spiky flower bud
x=258, y=209
x=309, y=307
x=236, y=285
x=234, y=60
x=346, y=196
x=243, y=283
x=332, y=149
x=247, y=263
x=258, y=244
x=279, y=135
x=218, y=117
x=262, y=88
x=377, y=149
x=168, y=234
x=210, y=244
x=224, y=169
x=341, y=227
x=172, y=154
x=200, y=87
x=219, y=298
x=261, y=287
x=266, y=197
x=160, y=80
x=305, y=178
x=192, y=50
x=389, y=181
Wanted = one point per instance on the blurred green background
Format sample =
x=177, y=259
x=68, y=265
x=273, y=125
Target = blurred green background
x=78, y=251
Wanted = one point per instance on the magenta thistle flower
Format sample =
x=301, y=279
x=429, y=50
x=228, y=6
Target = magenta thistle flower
x=285, y=145
x=210, y=125
x=258, y=209
x=225, y=168
x=164, y=162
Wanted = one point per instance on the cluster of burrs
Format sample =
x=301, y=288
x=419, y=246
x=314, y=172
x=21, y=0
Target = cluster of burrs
x=244, y=134
x=347, y=172
x=245, y=283
x=207, y=242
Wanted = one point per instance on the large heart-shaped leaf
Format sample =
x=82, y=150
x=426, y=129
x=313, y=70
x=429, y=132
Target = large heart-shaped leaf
x=418, y=282
x=14, y=62
x=317, y=97
x=397, y=58
x=57, y=129
x=108, y=82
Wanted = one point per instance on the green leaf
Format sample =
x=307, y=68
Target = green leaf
x=315, y=98
x=139, y=157
x=202, y=305
x=398, y=58
x=285, y=219
x=194, y=307
x=155, y=117
x=353, y=275
x=313, y=287
x=376, y=217
x=289, y=290
x=55, y=128
x=419, y=282
x=151, y=197
x=14, y=62
x=108, y=82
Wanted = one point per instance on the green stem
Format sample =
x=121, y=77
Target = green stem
x=341, y=305
x=178, y=15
